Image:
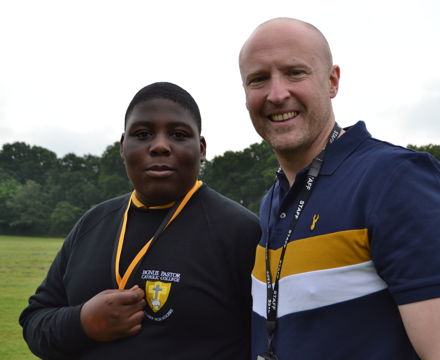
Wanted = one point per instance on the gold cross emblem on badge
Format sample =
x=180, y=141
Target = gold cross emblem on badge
x=156, y=293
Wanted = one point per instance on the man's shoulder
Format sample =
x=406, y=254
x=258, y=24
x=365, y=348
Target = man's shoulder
x=369, y=151
x=387, y=155
x=384, y=166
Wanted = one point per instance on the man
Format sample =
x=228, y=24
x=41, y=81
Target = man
x=162, y=273
x=350, y=232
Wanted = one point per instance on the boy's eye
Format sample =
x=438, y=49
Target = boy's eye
x=179, y=135
x=142, y=134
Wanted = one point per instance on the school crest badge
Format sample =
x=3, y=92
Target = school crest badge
x=156, y=293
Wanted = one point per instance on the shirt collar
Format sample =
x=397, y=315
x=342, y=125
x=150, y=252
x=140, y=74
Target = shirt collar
x=336, y=153
x=139, y=204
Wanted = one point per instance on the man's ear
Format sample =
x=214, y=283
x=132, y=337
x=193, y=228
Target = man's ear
x=202, y=149
x=121, y=146
x=334, y=77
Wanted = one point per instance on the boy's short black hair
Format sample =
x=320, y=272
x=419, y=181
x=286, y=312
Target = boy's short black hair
x=170, y=91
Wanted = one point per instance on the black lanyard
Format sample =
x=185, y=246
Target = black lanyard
x=272, y=291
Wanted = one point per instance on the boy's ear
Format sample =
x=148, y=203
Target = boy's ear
x=121, y=146
x=202, y=149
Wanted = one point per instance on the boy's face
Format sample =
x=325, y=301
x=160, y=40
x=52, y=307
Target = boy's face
x=162, y=151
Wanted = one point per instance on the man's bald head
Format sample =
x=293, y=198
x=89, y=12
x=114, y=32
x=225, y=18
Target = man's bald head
x=294, y=27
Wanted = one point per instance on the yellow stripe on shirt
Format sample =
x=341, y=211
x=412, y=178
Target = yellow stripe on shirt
x=321, y=252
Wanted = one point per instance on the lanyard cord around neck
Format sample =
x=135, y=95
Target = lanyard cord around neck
x=171, y=215
x=272, y=290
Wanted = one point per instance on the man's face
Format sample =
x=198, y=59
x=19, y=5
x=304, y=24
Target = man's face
x=162, y=151
x=289, y=82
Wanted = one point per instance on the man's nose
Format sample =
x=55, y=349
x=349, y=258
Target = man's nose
x=278, y=90
x=160, y=145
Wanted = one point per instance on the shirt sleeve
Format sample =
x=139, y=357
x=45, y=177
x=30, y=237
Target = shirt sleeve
x=404, y=232
x=51, y=327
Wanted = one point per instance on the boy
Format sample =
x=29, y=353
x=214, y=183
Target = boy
x=162, y=273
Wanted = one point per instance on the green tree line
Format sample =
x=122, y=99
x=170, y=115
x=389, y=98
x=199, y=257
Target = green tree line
x=41, y=194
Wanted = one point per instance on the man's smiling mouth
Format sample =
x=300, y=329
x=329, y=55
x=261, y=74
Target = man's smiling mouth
x=284, y=116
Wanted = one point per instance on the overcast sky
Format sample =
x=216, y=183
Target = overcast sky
x=68, y=69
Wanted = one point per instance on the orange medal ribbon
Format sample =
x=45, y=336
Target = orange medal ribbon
x=122, y=281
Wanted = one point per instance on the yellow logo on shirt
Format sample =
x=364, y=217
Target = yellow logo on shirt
x=156, y=293
x=314, y=221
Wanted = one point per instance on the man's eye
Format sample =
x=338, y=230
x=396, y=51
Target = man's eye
x=257, y=80
x=297, y=72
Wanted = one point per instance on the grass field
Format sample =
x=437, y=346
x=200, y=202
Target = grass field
x=24, y=262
